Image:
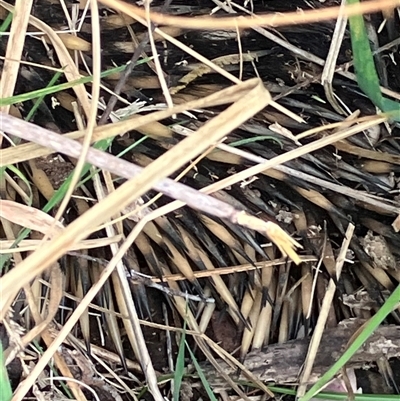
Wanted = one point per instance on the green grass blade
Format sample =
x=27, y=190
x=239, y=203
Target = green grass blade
x=57, y=88
x=180, y=366
x=367, y=76
x=5, y=386
x=364, y=65
x=120, y=154
x=39, y=100
x=6, y=23
x=22, y=177
x=31, y=113
x=202, y=376
x=339, y=396
x=372, y=325
x=391, y=107
x=256, y=139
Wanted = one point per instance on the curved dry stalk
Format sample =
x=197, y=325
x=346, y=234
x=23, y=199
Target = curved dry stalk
x=56, y=294
x=289, y=18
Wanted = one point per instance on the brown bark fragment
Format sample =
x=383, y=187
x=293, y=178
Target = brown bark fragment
x=281, y=363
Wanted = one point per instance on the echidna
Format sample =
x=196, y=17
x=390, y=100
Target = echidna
x=261, y=297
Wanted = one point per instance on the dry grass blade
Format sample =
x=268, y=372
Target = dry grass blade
x=215, y=67
x=345, y=146
x=15, y=46
x=27, y=216
x=65, y=331
x=222, y=159
x=187, y=195
x=245, y=174
x=157, y=64
x=191, y=197
x=326, y=304
x=330, y=63
x=123, y=296
x=280, y=238
x=356, y=194
x=6, y=246
x=233, y=269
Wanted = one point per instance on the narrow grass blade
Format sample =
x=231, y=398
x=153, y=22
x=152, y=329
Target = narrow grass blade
x=57, y=88
x=339, y=396
x=364, y=65
x=372, y=325
x=180, y=366
x=22, y=177
x=60, y=193
x=57, y=197
x=201, y=375
x=256, y=139
x=39, y=100
x=6, y=23
x=5, y=387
